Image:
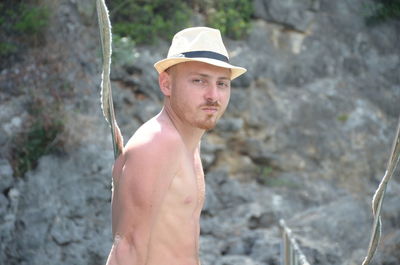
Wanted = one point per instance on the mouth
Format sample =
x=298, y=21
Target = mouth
x=210, y=110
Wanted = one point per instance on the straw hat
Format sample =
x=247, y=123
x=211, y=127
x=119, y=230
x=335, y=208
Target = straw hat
x=199, y=44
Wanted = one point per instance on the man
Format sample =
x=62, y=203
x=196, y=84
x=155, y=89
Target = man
x=158, y=180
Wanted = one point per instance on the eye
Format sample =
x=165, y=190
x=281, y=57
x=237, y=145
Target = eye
x=223, y=84
x=198, y=81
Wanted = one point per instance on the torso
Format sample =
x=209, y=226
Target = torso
x=175, y=234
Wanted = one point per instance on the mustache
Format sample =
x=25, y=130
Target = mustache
x=211, y=104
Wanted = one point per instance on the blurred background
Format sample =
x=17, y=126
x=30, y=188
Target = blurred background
x=306, y=137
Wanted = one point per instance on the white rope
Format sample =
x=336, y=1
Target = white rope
x=379, y=195
x=291, y=252
x=106, y=92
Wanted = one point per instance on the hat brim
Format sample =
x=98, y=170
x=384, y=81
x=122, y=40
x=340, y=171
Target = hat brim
x=164, y=64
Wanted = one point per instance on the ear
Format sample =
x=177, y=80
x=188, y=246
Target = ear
x=164, y=81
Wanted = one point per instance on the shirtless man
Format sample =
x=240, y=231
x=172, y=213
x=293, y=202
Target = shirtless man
x=158, y=180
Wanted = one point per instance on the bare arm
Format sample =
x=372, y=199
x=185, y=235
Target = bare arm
x=140, y=190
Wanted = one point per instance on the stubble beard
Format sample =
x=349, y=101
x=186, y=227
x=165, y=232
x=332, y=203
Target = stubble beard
x=202, y=121
x=207, y=124
x=210, y=121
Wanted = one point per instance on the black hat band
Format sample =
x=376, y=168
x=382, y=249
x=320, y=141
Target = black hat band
x=204, y=54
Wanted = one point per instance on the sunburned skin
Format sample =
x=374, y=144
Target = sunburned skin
x=174, y=222
x=158, y=181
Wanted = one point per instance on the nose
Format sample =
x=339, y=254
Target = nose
x=212, y=93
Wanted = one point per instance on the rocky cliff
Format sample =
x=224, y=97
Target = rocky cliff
x=306, y=138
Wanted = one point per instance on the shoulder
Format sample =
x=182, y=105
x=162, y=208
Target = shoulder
x=151, y=159
x=156, y=142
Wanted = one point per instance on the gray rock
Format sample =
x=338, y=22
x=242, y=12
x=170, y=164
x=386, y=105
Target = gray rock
x=57, y=216
x=230, y=124
x=298, y=15
x=389, y=248
x=6, y=175
x=234, y=260
x=259, y=154
x=3, y=203
x=266, y=246
x=332, y=242
x=65, y=231
x=212, y=204
x=228, y=191
x=87, y=10
x=210, y=249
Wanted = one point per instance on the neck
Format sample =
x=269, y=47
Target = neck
x=191, y=136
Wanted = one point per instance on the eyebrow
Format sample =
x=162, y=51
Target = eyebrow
x=208, y=76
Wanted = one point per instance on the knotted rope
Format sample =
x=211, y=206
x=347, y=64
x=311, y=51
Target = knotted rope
x=377, y=200
x=106, y=92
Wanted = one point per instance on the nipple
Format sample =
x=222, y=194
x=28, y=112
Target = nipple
x=188, y=200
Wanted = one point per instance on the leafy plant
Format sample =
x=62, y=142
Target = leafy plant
x=269, y=178
x=23, y=18
x=231, y=17
x=39, y=140
x=41, y=135
x=7, y=48
x=382, y=10
x=144, y=21
x=22, y=23
x=265, y=175
x=31, y=20
x=343, y=117
x=123, y=50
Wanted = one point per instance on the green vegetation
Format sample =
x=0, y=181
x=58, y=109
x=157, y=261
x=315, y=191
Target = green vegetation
x=21, y=23
x=265, y=175
x=123, y=50
x=39, y=140
x=269, y=178
x=343, y=117
x=7, y=48
x=231, y=17
x=30, y=20
x=23, y=18
x=42, y=132
x=144, y=21
x=382, y=10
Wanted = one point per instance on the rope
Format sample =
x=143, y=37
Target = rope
x=291, y=252
x=106, y=92
x=377, y=200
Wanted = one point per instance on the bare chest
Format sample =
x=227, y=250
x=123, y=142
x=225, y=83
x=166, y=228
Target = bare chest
x=187, y=189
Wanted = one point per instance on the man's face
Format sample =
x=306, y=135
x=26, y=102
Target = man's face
x=199, y=93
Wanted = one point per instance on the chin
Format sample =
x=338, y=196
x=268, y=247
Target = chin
x=207, y=125
x=207, y=128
